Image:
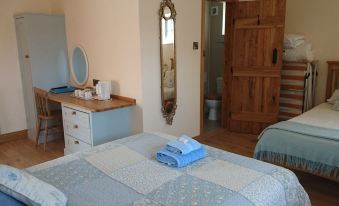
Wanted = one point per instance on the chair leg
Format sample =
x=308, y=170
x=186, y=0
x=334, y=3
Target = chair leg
x=38, y=128
x=46, y=134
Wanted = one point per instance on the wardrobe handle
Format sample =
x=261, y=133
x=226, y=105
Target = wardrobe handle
x=76, y=142
x=74, y=113
x=275, y=56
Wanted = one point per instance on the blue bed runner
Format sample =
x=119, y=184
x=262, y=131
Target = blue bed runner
x=298, y=145
x=308, y=130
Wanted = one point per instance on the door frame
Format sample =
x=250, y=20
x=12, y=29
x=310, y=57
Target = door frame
x=202, y=64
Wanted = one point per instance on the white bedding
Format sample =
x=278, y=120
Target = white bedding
x=320, y=116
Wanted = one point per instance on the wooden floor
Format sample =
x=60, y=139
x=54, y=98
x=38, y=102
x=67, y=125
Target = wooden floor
x=322, y=192
x=22, y=154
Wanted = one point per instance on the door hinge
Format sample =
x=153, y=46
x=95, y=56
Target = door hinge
x=258, y=20
x=233, y=21
x=229, y=114
x=232, y=70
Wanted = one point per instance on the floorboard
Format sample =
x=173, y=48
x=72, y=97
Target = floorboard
x=23, y=153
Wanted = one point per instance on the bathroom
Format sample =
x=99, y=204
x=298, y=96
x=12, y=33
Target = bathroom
x=214, y=57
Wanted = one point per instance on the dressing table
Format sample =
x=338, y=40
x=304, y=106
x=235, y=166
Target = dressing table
x=88, y=123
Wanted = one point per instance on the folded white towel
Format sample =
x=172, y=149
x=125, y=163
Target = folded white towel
x=300, y=54
x=292, y=41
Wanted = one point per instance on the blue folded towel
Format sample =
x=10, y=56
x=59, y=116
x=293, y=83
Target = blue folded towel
x=177, y=160
x=183, y=145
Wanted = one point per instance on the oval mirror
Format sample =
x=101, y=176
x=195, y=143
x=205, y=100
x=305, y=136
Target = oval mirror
x=79, y=66
x=168, y=60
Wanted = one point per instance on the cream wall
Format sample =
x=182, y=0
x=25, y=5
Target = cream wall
x=188, y=30
x=116, y=36
x=109, y=32
x=12, y=111
x=318, y=21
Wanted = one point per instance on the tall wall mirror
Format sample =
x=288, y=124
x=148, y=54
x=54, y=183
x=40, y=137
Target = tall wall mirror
x=79, y=65
x=168, y=60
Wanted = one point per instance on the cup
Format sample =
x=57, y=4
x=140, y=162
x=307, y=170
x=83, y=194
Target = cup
x=82, y=94
x=76, y=93
x=88, y=95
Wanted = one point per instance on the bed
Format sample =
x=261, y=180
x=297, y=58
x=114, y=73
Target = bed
x=309, y=142
x=124, y=172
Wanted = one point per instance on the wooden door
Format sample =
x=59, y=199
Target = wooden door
x=253, y=56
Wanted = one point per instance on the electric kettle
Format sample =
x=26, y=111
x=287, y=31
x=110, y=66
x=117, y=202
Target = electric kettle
x=103, y=90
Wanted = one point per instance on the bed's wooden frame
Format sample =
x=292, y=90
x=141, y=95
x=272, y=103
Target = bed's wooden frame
x=332, y=84
x=332, y=78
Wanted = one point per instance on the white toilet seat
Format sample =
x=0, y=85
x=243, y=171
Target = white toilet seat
x=214, y=109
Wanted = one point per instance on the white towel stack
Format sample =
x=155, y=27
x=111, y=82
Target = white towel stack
x=296, y=49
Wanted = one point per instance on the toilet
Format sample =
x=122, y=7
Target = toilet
x=213, y=102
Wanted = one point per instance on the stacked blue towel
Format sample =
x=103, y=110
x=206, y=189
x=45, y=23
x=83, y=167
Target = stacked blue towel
x=181, y=152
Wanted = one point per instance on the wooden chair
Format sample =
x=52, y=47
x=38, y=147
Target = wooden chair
x=44, y=113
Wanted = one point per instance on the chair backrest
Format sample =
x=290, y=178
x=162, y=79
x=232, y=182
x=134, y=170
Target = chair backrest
x=41, y=101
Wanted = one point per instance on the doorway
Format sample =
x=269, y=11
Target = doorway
x=213, y=63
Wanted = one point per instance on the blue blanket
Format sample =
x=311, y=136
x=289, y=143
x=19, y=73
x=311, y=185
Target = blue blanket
x=177, y=160
x=298, y=145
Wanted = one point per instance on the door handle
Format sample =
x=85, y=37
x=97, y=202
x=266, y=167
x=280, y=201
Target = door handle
x=76, y=142
x=74, y=113
x=75, y=126
x=275, y=56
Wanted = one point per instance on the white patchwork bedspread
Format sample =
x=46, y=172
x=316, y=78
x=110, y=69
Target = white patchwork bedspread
x=125, y=172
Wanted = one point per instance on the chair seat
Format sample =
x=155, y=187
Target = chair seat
x=55, y=114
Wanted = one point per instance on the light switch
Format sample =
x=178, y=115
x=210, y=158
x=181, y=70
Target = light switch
x=195, y=45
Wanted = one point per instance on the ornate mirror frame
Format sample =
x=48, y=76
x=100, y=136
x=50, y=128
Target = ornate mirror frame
x=168, y=93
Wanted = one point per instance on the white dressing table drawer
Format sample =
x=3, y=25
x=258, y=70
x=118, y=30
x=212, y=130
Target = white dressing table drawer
x=77, y=117
x=74, y=145
x=78, y=131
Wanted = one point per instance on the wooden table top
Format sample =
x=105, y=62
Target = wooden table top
x=93, y=105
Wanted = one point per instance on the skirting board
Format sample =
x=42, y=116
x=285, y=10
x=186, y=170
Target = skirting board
x=13, y=136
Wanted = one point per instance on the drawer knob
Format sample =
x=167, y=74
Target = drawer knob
x=75, y=126
x=74, y=113
x=76, y=142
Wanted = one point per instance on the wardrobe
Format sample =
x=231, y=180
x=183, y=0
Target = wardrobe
x=42, y=49
x=253, y=62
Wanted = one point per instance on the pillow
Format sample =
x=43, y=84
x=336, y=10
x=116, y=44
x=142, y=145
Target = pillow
x=334, y=97
x=28, y=189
